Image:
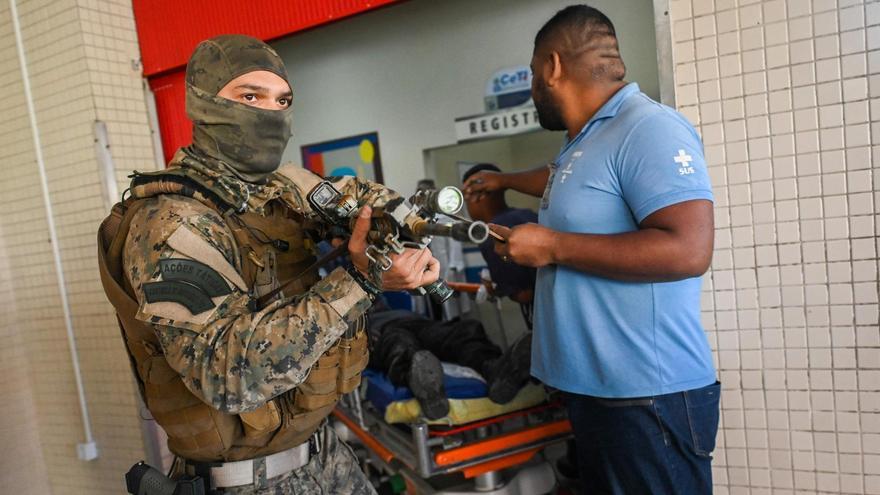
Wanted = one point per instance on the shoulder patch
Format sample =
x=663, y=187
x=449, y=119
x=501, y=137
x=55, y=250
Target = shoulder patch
x=188, y=243
x=194, y=273
x=191, y=297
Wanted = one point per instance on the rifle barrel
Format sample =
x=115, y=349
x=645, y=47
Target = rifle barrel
x=475, y=232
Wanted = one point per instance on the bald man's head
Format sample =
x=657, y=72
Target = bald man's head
x=586, y=42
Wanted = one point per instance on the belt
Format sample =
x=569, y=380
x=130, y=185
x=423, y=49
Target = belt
x=254, y=471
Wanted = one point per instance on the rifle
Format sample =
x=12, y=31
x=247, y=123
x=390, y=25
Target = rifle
x=402, y=223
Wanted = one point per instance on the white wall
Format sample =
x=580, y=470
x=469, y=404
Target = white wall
x=410, y=70
x=786, y=94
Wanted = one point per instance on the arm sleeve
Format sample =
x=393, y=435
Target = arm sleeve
x=661, y=163
x=366, y=192
x=233, y=358
x=302, y=181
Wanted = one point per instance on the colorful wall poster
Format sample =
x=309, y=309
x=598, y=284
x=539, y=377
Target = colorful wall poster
x=354, y=155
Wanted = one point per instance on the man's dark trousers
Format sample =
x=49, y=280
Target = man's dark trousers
x=393, y=341
x=648, y=445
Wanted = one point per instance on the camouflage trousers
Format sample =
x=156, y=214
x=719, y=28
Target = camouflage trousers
x=334, y=470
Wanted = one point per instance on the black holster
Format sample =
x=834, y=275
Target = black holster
x=143, y=479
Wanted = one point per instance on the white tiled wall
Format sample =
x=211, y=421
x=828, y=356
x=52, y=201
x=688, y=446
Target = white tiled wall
x=786, y=94
x=17, y=407
x=83, y=62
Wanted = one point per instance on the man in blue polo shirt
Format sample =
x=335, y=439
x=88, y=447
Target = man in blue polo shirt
x=625, y=232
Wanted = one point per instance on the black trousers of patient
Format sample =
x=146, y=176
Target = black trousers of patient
x=397, y=335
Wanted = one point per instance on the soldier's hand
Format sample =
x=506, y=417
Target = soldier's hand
x=482, y=183
x=410, y=269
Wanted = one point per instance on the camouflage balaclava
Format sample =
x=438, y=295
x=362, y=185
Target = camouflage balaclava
x=248, y=140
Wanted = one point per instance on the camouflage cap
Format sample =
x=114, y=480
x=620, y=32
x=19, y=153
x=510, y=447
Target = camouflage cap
x=218, y=60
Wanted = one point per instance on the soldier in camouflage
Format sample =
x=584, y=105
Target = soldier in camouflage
x=189, y=255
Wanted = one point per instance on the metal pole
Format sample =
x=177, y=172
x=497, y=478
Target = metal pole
x=489, y=481
x=423, y=451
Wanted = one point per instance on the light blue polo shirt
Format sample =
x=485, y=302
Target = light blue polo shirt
x=606, y=338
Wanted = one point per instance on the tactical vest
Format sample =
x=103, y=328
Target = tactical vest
x=197, y=431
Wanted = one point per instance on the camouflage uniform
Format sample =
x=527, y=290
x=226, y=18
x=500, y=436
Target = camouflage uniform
x=333, y=471
x=232, y=356
x=229, y=356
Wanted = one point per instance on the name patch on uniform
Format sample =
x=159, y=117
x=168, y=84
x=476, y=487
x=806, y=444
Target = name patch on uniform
x=193, y=298
x=194, y=273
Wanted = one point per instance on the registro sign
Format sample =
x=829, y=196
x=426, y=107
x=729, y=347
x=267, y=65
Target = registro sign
x=502, y=123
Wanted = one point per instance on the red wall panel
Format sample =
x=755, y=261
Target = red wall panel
x=175, y=128
x=169, y=30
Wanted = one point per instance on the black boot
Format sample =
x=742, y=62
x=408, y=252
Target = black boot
x=426, y=383
x=506, y=375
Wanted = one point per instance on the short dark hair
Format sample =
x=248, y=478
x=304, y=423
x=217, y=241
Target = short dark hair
x=479, y=168
x=575, y=18
x=579, y=28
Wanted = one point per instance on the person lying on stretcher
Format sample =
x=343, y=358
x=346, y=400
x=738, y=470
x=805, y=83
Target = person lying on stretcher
x=408, y=348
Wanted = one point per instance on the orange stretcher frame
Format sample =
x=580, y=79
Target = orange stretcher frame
x=368, y=439
x=466, y=287
x=503, y=442
x=522, y=445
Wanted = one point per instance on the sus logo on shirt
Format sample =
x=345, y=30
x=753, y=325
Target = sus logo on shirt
x=684, y=160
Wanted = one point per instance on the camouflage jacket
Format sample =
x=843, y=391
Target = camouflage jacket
x=232, y=357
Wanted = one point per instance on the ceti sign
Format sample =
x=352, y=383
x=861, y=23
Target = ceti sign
x=502, y=123
x=509, y=80
x=508, y=87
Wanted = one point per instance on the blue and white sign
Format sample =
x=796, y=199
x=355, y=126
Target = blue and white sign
x=509, y=80
x=508, y=87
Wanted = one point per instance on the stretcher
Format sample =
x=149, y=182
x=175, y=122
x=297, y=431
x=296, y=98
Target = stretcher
x=488, y=449
x=476, y=453
x=480, y=447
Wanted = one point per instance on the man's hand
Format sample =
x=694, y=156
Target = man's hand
x=482, y=183
x=528, y=244
x=411, y=269
x=651, y=254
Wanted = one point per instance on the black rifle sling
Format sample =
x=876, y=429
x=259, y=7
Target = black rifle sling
x=332, y=255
